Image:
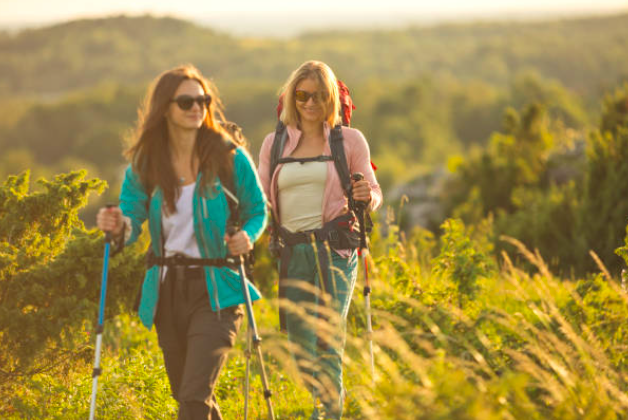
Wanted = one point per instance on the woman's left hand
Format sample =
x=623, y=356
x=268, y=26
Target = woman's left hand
x=361, y=190
x=239, y=243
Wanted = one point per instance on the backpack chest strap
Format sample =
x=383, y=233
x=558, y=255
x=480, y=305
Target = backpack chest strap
x=321, y=158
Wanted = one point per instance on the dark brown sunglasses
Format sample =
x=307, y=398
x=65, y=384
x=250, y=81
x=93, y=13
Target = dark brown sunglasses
x=186, y=102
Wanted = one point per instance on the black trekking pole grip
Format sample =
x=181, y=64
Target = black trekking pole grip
x=360, y=209
x=357, y=176
x=359, y=205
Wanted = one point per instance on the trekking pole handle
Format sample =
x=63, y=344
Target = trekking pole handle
x=231, y=230
x=108, y=233
x=359, y=205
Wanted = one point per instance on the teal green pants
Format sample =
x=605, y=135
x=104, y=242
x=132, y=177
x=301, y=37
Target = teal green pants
x=315, y=316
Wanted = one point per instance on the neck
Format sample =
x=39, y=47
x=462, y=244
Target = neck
x=312, y=129
x=182, y=141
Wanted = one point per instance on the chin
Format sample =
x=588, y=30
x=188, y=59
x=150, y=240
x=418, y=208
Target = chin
x=312, y=118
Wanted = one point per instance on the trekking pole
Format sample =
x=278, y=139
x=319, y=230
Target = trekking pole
x=360, y=209
x=255, y=336
x=99, y=328
x=247, y=354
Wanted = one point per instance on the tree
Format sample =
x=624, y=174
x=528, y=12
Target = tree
x=605, y=208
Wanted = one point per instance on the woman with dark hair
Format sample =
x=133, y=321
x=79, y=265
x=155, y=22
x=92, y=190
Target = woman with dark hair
x=314, y=224
x=185, y=172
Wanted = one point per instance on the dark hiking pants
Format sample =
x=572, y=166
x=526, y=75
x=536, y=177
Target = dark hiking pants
x=195, y=341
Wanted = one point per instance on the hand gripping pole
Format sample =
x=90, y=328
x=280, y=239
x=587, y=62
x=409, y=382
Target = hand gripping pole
x=360, y=210
x=100, y=326
x=256, y=340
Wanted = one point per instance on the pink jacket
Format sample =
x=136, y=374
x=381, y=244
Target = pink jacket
x=334, y=200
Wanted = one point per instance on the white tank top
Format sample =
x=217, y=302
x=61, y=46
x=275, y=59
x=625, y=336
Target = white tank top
x=301, y=187
x=178, y=228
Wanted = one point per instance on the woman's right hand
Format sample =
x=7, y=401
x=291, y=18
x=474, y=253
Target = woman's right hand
x=109, y=219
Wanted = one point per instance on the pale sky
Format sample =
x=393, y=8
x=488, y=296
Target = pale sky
x=33, y=11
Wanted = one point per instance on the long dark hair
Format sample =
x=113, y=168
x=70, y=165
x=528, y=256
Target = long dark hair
x=149, y=152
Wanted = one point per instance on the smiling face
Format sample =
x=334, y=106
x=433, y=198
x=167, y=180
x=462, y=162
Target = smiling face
x=315, y=105
x=192, y=118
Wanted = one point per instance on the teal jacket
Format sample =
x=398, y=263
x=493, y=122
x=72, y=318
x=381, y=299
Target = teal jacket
x=211, y=213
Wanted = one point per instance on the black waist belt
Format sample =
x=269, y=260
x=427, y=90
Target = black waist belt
x=182, y=261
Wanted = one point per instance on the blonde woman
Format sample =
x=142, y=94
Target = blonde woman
x=310, y=196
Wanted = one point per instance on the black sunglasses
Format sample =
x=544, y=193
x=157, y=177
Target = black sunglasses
x=186, y=102
x=304, y=96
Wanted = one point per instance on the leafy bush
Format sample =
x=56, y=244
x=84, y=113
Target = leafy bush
x=564, y=210
x=50, y=270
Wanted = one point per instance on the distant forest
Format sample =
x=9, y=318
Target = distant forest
x=69, y=92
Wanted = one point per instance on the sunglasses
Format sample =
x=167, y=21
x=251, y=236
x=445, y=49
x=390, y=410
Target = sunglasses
x=186, y=102
x=304, y=96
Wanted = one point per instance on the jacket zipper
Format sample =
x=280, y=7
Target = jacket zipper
x=161, y=268
x=211, y=269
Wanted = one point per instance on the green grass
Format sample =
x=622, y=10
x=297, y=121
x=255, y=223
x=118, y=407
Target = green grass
x=459, y=334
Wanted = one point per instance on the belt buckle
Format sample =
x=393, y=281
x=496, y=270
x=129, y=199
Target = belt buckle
x=232, y=262
x=179, y=269
x=333, y=237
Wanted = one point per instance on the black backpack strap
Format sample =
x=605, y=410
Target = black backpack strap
x=276, y=151
x=336, y=143
x=342, y=167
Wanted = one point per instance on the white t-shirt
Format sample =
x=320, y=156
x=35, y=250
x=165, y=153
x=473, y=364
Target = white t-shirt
x=301, y=187
x=178, y=228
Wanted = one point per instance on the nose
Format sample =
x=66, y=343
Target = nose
x=312, y=99
x=195, y=104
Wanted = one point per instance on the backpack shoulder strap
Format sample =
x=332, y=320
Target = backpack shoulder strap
x=336, y=143
x=228, y=186
x=279, y=143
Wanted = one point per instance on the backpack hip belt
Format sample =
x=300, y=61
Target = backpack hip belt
x=338, y=233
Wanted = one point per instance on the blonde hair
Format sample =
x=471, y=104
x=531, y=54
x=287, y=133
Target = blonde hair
x=320, y=72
